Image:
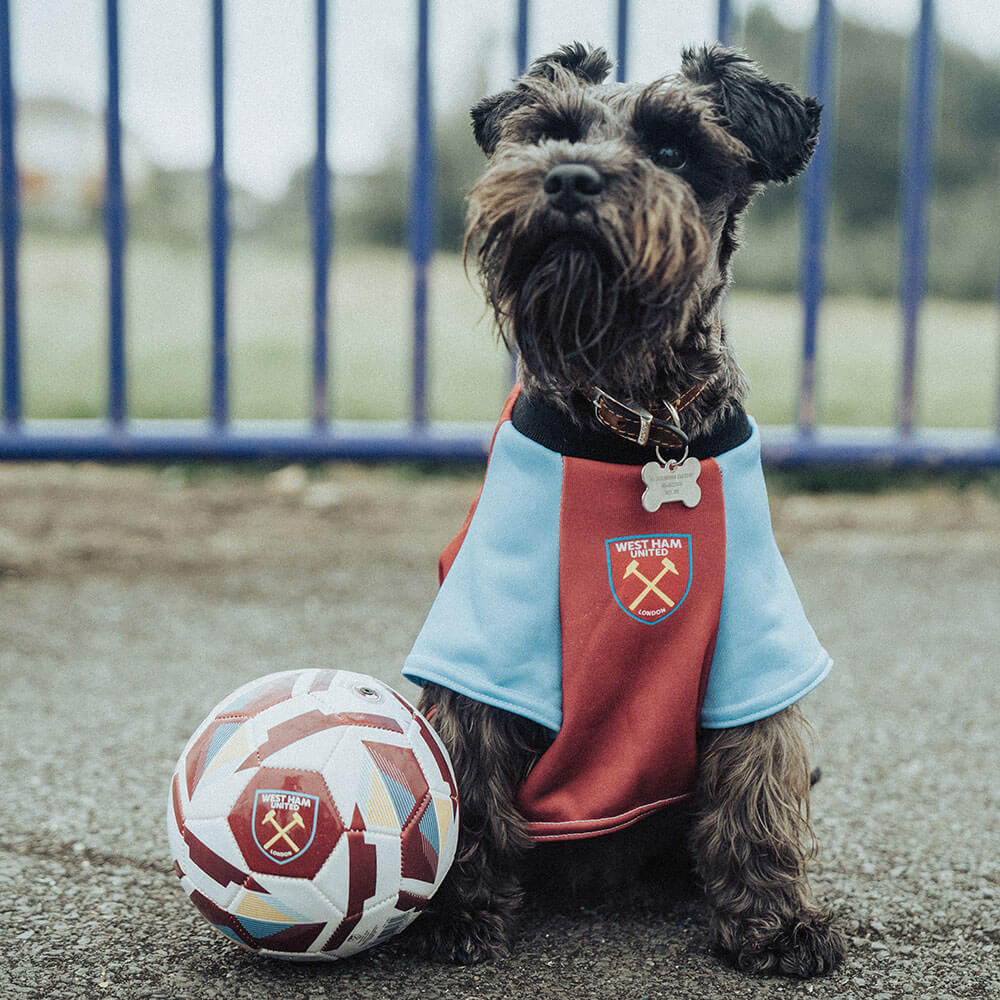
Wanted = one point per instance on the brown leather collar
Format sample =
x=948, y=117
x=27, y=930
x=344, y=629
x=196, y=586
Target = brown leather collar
x=659, y=426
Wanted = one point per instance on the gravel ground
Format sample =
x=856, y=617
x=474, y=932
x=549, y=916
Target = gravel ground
x=132, y=599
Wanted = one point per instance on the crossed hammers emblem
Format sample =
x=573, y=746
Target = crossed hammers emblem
x=282, y=833
x=651, y=585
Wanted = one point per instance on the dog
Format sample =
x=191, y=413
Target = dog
x=616, y=644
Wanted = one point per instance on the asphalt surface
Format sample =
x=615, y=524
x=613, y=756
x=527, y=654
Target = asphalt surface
x=131, y=600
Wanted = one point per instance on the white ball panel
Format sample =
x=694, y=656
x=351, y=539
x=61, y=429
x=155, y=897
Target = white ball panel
x=309, y=752
x=216, y=795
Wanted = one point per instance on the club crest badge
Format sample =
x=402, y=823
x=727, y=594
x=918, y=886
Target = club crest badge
x=650, y=575
x=284, y=823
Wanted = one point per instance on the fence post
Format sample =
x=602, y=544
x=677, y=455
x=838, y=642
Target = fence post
x=815, y=194
x=422, y=215
x=11, y=228
x=622, y=41
x=322, y=236
x=115, y=228
x=521, y=47
x=724, y=30
x=220, y=226
x=917, y=168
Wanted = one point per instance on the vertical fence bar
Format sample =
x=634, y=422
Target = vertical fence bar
x=815, y=194
x=220, y=226
x=725, y=22
x=321, y=229
x=996, y=390
x=422, y=214
x=521, y=57
x=522, y=36
x=114, y=227
x=11, y=229
x=916, y=187
x=622, y=41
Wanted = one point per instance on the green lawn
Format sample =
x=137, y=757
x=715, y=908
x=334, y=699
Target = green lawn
x=63, y=314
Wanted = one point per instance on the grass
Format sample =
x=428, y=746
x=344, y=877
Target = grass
x=168, y=297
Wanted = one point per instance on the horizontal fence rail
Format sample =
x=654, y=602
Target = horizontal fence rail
x=121, y=437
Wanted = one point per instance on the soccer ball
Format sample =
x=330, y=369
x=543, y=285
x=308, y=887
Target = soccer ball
x=312, y=814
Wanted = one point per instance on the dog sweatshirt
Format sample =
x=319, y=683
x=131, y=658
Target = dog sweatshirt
x=622, y=631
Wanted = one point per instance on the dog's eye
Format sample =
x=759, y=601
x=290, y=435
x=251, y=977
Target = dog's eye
x=670, y=156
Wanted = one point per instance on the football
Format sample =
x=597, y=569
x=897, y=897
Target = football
x=313, y=814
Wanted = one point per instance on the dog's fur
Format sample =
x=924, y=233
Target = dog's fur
x=613, y=276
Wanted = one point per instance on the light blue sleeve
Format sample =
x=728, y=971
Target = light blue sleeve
x=493, y=632
x=766, y=655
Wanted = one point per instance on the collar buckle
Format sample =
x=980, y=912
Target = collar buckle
x=610, y=411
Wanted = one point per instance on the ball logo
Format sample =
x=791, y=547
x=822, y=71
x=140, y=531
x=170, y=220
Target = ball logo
x=650, y=575
x=284, y=823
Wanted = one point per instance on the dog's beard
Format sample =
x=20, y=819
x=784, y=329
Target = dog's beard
x=570, y=314
x=576, y=313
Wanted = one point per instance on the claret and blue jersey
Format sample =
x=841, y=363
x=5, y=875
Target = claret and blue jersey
x=622, y=631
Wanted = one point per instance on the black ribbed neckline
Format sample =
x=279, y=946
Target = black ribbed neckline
x=558, y=431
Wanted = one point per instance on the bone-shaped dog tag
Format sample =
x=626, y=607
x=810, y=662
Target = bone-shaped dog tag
x=670, y=482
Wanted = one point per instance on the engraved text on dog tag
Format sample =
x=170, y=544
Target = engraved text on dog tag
x=670, y=482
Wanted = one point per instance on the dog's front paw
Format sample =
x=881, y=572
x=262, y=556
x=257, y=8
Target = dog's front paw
x=463, y=938
x=806, y=947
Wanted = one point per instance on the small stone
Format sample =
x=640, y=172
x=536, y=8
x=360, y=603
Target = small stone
x=322, y=496
x=289, y=481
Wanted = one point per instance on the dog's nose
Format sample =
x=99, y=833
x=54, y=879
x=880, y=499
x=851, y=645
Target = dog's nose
x=571, y=185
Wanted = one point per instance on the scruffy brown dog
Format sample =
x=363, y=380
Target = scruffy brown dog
x=616, y=632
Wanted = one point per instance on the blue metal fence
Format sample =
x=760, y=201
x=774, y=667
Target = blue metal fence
x=220, y=223
x=118, y=437
x=11, y=227
x=816, y=184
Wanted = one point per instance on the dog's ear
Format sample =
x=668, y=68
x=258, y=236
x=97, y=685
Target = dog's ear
x=487, y=116
x=777, y=125
x=592, y=66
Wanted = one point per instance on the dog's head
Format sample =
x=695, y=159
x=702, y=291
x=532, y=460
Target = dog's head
x=605, y=220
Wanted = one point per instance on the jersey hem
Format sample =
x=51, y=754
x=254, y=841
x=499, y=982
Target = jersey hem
x=571, y=829
x=487, y=694
x=762, y=707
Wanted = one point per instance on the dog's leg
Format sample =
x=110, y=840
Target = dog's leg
x=752, y=840
x=472, y=916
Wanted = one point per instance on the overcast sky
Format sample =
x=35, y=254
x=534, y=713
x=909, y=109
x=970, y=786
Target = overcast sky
x=166, y=95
